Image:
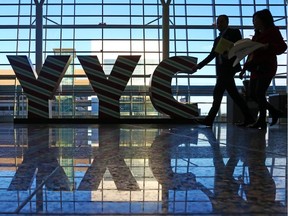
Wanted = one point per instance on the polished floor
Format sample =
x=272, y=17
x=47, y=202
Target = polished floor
x=142, y=169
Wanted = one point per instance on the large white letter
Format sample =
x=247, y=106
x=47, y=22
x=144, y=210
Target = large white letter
x=160, y=87
x=39, y=88
x=109, y=90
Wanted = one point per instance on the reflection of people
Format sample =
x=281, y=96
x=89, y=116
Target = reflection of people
x=262, y=64
x=225, y=197
x=260, y=189
x=225, y=74
x=259, y=186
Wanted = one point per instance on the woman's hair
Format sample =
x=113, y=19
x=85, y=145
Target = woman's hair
x=266, y=17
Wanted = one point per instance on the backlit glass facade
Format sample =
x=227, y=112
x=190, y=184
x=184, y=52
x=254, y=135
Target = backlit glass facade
x=109, y=28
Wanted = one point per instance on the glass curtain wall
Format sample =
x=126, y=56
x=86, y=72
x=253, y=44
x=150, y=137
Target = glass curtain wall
x=109, y=28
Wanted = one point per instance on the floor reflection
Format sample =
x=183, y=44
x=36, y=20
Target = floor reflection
x=142, y=169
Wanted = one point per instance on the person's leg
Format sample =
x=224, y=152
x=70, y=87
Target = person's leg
x=240, y=102
x=217, y=99
x=252, y=89
x=259, y=89
x=275, y=113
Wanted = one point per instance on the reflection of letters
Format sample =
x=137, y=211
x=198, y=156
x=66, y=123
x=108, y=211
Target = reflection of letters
x=39, y=162
x=160, y=156
x=39, y=88
x=110, y=158
x=160, y=163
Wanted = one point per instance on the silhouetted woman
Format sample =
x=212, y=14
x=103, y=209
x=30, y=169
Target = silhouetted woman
x=262, y=64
